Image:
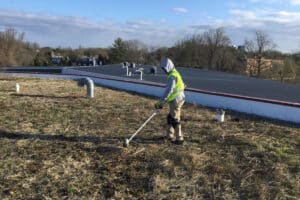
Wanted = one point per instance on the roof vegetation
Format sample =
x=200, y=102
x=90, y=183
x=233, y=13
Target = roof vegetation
x=57, y=144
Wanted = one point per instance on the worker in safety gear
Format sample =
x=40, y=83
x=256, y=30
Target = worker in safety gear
x=174, y=96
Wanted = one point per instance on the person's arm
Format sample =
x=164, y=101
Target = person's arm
x=169, y=88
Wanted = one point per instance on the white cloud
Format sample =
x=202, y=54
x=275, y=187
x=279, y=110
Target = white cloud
x=282, y=26
x=180, y=10
x=266, y=1
x=284, y=17
x=243, y=14
x=70, y=31
x=139, y=24
x=295, y=2
x=283, y=2
x=266, y=16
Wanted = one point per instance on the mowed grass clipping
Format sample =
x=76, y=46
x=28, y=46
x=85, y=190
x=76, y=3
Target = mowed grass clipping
x=57, y=144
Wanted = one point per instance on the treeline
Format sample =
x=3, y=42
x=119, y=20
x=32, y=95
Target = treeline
x=212, y=50
x=14, y=51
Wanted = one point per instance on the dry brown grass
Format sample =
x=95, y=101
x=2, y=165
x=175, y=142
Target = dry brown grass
x=56, y=144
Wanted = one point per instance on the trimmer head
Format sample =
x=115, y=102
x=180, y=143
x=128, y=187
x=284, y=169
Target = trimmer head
x=126, y=143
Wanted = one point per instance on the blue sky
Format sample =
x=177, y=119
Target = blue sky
x=96, y=23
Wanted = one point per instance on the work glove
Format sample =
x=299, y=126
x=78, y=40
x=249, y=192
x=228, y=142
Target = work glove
x=158, y=105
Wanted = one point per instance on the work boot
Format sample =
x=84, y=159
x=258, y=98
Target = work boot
x=167, y=138
x=170, y=137
x=170, y=133
x=178, y=134
x=178, y=142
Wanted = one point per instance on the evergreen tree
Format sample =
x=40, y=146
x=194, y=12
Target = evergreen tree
x=117, y=53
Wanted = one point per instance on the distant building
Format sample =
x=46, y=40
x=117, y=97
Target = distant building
x=267, y=64
x=56, y=59
x=89, y=61
x=241, y=48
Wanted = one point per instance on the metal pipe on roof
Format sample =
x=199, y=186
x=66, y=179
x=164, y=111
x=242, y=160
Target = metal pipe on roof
x=89, y=84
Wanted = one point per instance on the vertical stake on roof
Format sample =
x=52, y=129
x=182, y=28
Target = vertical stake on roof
x=220, y=115
x=17, y=88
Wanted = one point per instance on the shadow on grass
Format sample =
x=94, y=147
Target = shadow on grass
x=104, y=143
x=46, y=137
x=48, y=96
x=7, y=79
x=7, y=90
x=63, y=138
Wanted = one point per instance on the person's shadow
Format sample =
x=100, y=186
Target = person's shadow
x=7, y=90
x=47, y=96
x=105, y=145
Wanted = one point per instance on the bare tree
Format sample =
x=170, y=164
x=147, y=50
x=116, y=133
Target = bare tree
x=259, y=46
x=286, y=69
x=189, y=51
x=214, y=39
x=249, y=45
x=226, y=59
x=14, y=50
x=136, y=51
